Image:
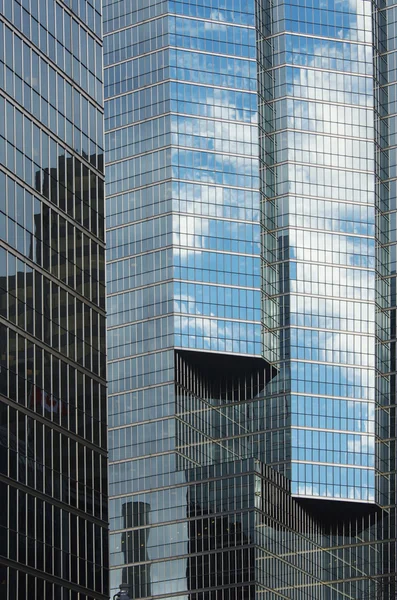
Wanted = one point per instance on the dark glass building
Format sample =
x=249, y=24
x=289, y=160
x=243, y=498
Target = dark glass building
x=53, y=438
x=249, y=151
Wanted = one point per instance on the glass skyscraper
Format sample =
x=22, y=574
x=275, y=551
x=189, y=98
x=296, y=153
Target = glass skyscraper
x=53, y=436
x=250, y=292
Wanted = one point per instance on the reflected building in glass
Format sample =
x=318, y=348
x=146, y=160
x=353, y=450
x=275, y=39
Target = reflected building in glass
x=53, y=436
x=249, y=324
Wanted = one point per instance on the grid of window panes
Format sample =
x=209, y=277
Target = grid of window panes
x=216, y=228
x=296, y=553
x=139, y=279
x=232, y=531
x=325, y=226
x=207, y=149
x=53, y=438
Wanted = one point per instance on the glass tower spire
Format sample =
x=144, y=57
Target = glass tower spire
x=248, y=298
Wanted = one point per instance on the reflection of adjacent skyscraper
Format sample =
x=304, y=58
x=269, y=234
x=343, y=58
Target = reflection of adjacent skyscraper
x=221, y=554
x=136, y=516
x=52, y=358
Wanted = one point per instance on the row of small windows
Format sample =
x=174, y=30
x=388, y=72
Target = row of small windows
x=190, y=332
x=210, y=141
x=215, y=273
x=356, y=7
x=347, y=149
x=344, y=185
x=182, y=32
x=333, y=447
x=139, y=313
x=362, y=412
x=351, y=23
x=131, y=42
x=215, y=533
x=202, y=40
x=89, y=12
x=364, y=257
x=18, y=585
x=149, y=336
x=321, y=117
x=222, y=169
x=155, y=506
x=141, y=371
x=141, y=440
x=142, y=270
x=311, y=48
x=331, y=281
x=225, y=34
x=184, y=98
x=139, y=72
x=245, y=103
x=141, y=405
x=211, y=135
x=180, y=64
x=331, y=248
x=215, y=70
x=330, y=380
x=189, y=298
x=136, y=205
x=322, y=62
x=327, y=314
x=117, y=16
x=314, y=213
x=138, y=172
x=137, y=305
x=333, y=481
x=144, y=474
x=337, y=348
x=199, y=199
x=323, y=85
x=345, y=249
x=225, y=332
x=229, y=269
x=233, y=303
x=137, y=139
x=203, y=233
x=236, y=11
x=137, y=106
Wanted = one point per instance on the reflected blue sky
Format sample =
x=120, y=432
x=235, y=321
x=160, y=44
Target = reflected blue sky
x=324, y=254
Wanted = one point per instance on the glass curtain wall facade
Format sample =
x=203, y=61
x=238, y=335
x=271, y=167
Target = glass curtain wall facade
x=323, y=272
x=53, y=435
x=248, y=294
